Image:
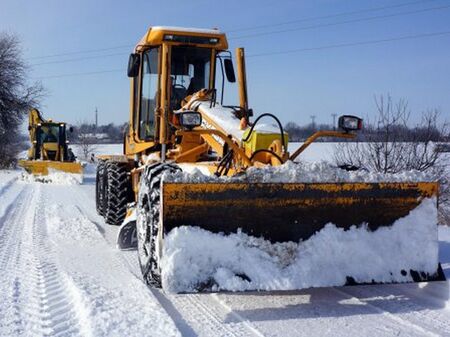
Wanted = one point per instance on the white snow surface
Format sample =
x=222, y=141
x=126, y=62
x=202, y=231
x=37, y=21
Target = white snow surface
x=61, y=275
x=193, y=256
x=58, y=274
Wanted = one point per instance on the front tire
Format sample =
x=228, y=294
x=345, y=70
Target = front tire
x=148, y=221
x=118, y=192
x=100, y=188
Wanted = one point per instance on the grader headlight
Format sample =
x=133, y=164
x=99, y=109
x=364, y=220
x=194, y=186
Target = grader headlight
x=190, y=119
x=350, y=123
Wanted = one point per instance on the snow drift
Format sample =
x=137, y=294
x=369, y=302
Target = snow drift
x=194, y=258
x=291, y=172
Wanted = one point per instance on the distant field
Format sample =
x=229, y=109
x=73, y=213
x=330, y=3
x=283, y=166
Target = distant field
x=316, y=152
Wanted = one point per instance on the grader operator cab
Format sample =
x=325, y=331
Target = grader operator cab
x=178, y=122
x=49, y=147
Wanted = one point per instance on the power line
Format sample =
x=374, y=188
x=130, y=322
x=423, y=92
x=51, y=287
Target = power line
x=242, y=29
x=378, y=17
x=78, y=59
x=258, y=34
x=342, y=45
x=375, y=9
x=80, y=74
x=351, y=44
x=80, y=52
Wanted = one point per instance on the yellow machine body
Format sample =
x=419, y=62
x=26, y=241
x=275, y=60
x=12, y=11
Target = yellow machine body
x=225, y=143
x=49, y=151
x=47, y=166
x=258, y=141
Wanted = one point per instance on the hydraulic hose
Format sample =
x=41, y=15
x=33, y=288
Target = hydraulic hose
x=279, y=125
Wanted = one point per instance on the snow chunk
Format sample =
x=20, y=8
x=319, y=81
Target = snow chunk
x=194, y=257
x=54, y=177
x=291, y=172
x=225, y=117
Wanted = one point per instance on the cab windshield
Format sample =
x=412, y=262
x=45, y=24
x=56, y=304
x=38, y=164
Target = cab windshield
x=189, y=73
x=49, y=134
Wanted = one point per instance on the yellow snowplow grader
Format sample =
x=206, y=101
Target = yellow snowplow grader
x=179, y=124
x=49, y=150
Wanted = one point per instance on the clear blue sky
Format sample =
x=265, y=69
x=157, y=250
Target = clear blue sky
x=292, y=85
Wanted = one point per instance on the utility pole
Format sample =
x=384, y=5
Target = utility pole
x=96, y=118
x=313, y=121
x=334, y=120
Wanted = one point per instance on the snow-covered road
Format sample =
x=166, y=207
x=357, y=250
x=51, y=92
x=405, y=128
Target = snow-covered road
x=60, y=274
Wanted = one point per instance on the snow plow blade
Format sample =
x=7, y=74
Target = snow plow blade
x=282, y=212
x=44, y=167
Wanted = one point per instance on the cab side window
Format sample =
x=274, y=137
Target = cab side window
x=149, y=94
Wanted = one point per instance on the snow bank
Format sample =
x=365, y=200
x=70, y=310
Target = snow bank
x=54, y=177
x=195, y=258
x=301, y=172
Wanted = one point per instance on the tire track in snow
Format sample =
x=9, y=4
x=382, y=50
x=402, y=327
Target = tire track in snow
x=435, y=293
x=11, y=315
x=205, y=315
x=56, y=305
x=12, y=198
x=85, y=205
x=392, y=308
x=236, y=316
x=7, y=185
x=191, y=315
x=42, y=301
x=120, y=304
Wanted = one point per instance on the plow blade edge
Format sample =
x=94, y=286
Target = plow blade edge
x=281, y=212
x=44, y=167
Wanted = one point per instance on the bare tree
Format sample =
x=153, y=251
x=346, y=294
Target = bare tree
x=394, y=147
x=86, y=139
x=16, y=98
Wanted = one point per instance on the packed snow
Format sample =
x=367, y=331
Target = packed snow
x=191, y=256
x=300, y=172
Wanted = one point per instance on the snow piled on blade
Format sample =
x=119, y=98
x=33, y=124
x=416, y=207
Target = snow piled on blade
x=54, y=177
x=194, y=258
x=290, y=172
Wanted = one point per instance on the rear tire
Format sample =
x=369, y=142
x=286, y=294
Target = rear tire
x=100, y=188
x=117, y=192
x=148, y=221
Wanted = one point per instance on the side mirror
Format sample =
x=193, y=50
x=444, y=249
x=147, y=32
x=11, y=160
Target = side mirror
x=133, y=65
x=71, y=129
x=229, y=70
